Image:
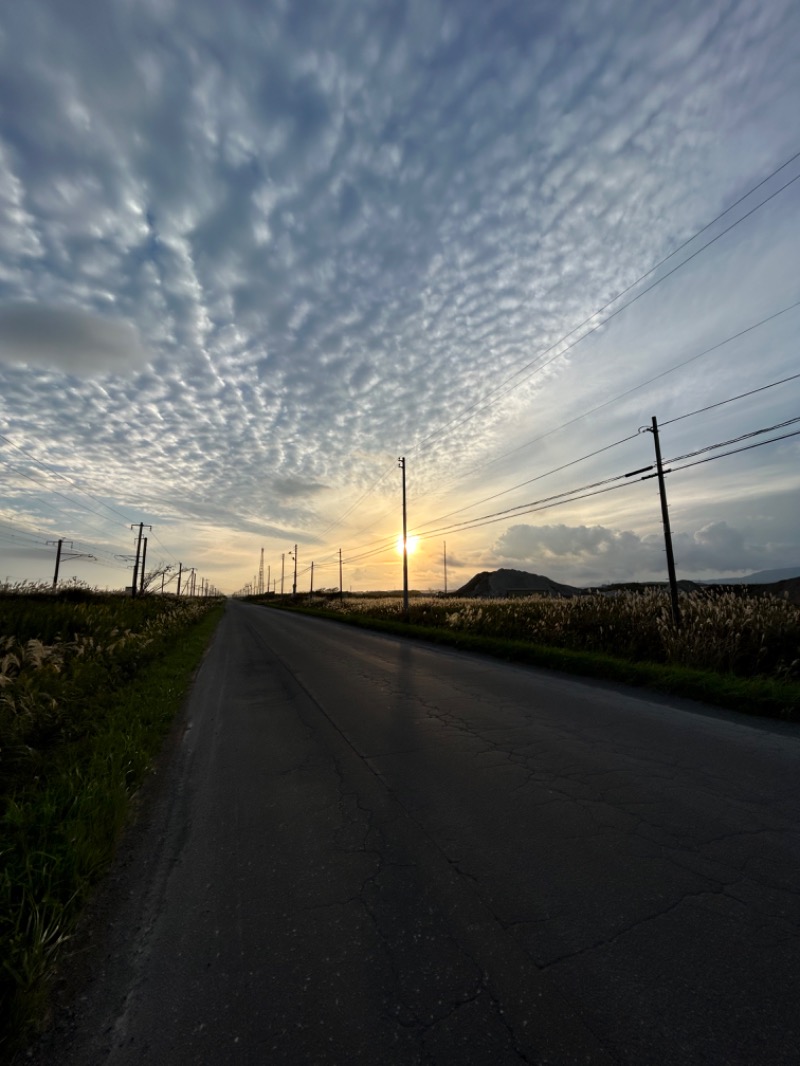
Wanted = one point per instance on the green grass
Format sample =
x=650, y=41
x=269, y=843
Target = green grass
x=754, y=695
x=66, y=802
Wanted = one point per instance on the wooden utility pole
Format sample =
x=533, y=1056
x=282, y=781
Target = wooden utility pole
x=144, y=556
x=65, y=554
x=341, y=589
x=402, y=465
x=138, y=554
x=58, y=560
x=673, y=581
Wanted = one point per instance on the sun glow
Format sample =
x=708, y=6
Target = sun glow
x=411, y=543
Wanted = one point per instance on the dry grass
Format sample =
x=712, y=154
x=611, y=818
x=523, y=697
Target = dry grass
x=725, y=633
x=88, y=686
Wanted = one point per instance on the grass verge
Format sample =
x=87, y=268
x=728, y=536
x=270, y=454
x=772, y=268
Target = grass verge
x=60, y=827
x=755, y=695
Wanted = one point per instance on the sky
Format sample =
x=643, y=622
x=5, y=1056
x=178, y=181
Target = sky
x=253, y=254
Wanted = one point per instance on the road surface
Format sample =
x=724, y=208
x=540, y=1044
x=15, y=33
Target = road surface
x=363, y=850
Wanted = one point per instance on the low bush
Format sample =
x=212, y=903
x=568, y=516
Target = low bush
x=88, y=687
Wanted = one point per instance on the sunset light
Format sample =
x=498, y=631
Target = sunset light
x=412, y=543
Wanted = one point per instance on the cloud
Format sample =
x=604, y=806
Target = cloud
x=289, y=487
x=329, y=231
x=597, y=553
x=72, y=341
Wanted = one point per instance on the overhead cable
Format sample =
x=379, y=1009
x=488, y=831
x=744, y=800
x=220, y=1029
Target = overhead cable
x=500, y=390
x=69, y=481
x=741, y=396
x=649, y=381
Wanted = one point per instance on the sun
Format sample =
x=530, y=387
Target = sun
x=411, y=543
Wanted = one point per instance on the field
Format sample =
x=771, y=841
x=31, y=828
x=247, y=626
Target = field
x=726, y=633
x=89, y=684
x=738, y=651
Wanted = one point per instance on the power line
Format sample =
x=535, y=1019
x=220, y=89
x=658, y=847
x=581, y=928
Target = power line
x=69, y=481
x=649, y=381
x=55, y=492
x=741, y=396
x=623, y=440
x=522, y=508
x=490, y=398
x=163, y=547
x=546, y=506
x=36, y=534
x=384, y=546
x=735, y=440
x=735, y=451
x=522, y=484
x=598, y=486
x=368, y=551
x=360, y=500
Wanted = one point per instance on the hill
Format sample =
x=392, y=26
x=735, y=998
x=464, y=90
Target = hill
x=762, y=577
x=510, y=582
x=501, y=583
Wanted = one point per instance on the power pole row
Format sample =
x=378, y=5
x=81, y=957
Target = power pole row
x=660, y=472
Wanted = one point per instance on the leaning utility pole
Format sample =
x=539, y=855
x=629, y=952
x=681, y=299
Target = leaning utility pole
x=144, y=556
x=402, y=464
x=180, y=571
x=70, y=554
x=138, y=553
x=673, y=581
x=58, y=559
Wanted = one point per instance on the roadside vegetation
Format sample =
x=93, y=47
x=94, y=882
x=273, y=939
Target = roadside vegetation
x=741, y=652
x=89, y=685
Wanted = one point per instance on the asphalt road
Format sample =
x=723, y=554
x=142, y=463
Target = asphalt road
x=362, y=850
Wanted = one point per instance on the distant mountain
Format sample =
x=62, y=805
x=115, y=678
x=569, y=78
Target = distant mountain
x=500, y=583
x=762, y=577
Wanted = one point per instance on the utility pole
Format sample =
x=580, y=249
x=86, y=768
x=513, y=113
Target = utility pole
x=311, y=591
x=58, y=559
x=261, y=575
x=269, y=576
x=69, y=554
x=138, y=553
x=283, y=563
x=144, y=556
x=180, y=571
x=402, y=464
x=673, y=581
x=294, y=583
x=445, y=567
x=341, y=587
